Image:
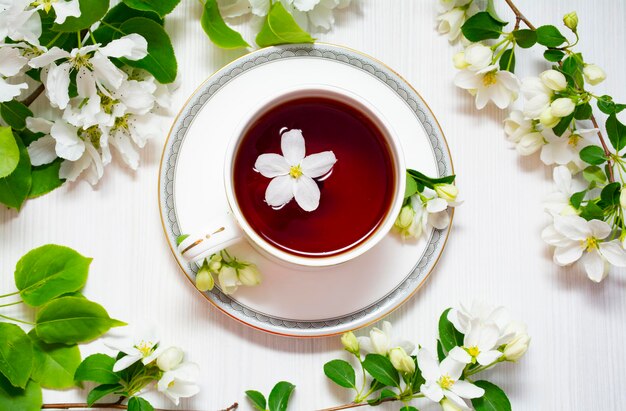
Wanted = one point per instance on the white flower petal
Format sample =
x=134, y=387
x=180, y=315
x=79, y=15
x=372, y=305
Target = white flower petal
x=614, y=253
x=125, y=362
x=432, y=391
x=107, y=72
x=38, y=125
x=573, y=227
x=321, y=16
x=279, y=191
x=460, y=355
x=9, y=91
x=467, y=79
x=316, y=165
x=428, y=365
x=455, y=399
x=595, y=266
x=305, y=5
x=292, y=146
x=271, y=165
x=307, y=193
x=567, y=254
x=68, y=146
x=487, y=357
x=48, y=57
x=132, y=46
x=439, y=220
x=436, y=205
x=451, y=367
x=58, y=84
x=42, y=151
x=599, y=229
x=65, y=9
x=11, y=61
x=260, y=7
x=465, y=389
x=126, y=148
x=70, y=170
x=365, y=343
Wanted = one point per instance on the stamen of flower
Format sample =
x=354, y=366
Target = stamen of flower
x=81, y=60
x=573, y=140
x=47, y=4
x=589, y=244
x=91, y=134
x=107, y=103
x=121, y=122
x=445, y=382
x=295, y=171
x=473, y=351
x=145, y=348
x=489, y=79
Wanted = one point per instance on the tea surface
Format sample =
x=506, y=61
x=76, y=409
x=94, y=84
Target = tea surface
x=355, y=198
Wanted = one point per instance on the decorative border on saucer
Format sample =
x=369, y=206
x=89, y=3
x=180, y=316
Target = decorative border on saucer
x=230, y=306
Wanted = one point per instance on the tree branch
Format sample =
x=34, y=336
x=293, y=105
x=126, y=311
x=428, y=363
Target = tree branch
x=33, y=96
x=356, y=405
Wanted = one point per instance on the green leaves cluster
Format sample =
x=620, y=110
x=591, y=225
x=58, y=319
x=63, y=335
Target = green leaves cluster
x=48, y=279
x=279, y=27
x=416, y=182
x=278, y=399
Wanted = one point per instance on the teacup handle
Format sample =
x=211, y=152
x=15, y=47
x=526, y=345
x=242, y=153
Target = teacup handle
x=221, y=233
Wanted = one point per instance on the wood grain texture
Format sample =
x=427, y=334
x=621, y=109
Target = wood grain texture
x=495, y=254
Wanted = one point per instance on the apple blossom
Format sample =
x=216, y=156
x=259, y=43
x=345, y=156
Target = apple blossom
x=170, y=358
x=381, y=341
x=489, y=84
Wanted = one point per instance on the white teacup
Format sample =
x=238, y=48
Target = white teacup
x=232, y=226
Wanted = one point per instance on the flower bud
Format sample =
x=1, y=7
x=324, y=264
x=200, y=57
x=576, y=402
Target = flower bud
x=447, y=405
x=554, y=80
x=530, y=143
x=401, y=360
x=593, y=74
x=459, y=61
x=405, y=218
x=562, y=107
x=478, y=56
x=228, y=279
x=204, y=279
x=518, y=346
x=571, y=21
x=448, y=192
x=249, y=275
x=350, y=343
x=547, y=119
x=170, y=358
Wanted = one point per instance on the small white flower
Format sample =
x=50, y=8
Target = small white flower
x=381, y=341
x=537, y=97
x=292, y=173
x=523, y=133
x=350, y=342
x=450, y=23
x=575, y=238
x=425, y=211
x=480, y=345
x=145, y=350
x=62, y=8
x=401, y=361
x=442, y=380
x=489, y=84
x=18, y=21
x=477, y=56
x=554, y=80
x=565, y=149
x=562, y=107
x=517, y=347
x=448, y=192
x=558, y=203
x=593, y=74
x=180, y=382
x=477, y=314
x=170, y=358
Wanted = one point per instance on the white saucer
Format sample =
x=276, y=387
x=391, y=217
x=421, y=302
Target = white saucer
x=300, y=303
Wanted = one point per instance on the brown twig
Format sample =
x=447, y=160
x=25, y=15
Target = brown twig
x=109, y=405
x=520, y=17
x=355, y=405
x=33, y=96
x=232, y=407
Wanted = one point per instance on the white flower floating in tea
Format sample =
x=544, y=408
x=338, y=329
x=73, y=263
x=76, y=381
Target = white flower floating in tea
x=292, y=173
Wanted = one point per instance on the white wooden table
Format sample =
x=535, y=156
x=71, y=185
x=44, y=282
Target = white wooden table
x=576, y=360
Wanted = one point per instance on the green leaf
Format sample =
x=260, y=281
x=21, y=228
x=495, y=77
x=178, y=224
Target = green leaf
x=449, y=336
x=550, y=36
x=411, y=186
x=384, y=394
x=441, y=355
x=72, y=320
x=161, y=60
x=525, y=38
x=616, y=132
x=592, y=212
x=341, y=373
x=417, y=379
x=573, y=66
x=91, y=11
x=593, y=155
x=482, y=26
x=492, y=12
x=429, y=181
x=97, y=368
x=15, y=113
x=381, y=369
x=54, y=364
x=102, y=391
x=139, y=404
x=257, y=399
x=577, y=198
x=28, y=399
x=9, y=152
x=219, y=33
x=583, y=112
x=45, y=178
x=560, y=128
x=161, y=7
x=281, y=28
x=594, y=173
x=507, y=61
x=608, y=106
x=16, y=354
x=553, y=55
x=279, y=397
x=50, y=271
x=494, y=399
x=610, y=194
x=408, y=408
x=15, y=187
x=116, y=17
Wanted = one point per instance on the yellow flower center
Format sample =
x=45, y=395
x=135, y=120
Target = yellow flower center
x=445, y=382
x=170, y=385
x=473, y=351
x=573, y=140
x=295, y=171
x=589, y=244
x=489, y=79
x=91, y=134
x=47, y=4
x=145, y=348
